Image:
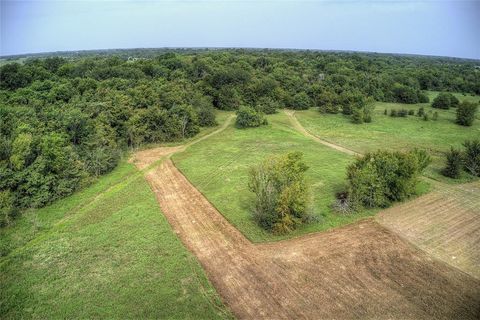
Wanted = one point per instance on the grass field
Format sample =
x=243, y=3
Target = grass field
x=390, y=133
x=218, y=167
x=104, y=252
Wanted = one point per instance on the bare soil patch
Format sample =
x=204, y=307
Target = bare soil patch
x=445, y=223
x=359, y=271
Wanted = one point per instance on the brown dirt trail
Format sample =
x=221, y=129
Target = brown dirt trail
x=359, y=271
x=298, y=126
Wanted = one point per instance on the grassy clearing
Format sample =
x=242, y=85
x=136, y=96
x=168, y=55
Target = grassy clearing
x=104, y=252
x=395, y=133
x=218, y=167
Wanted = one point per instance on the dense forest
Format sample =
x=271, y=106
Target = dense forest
x=64, y=120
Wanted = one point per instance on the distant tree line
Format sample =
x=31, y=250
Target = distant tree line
x=66, y=120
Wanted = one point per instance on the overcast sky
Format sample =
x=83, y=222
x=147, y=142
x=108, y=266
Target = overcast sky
x=447, y=28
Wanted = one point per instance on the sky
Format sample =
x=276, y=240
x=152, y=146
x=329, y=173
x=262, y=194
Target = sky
x=445, y=28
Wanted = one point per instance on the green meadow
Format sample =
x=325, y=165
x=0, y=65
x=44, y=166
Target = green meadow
x=219, y=166
x=104, y=252
x=386, y=132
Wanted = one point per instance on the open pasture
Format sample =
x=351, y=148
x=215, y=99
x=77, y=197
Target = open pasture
x=219, y=166
x=386, y=132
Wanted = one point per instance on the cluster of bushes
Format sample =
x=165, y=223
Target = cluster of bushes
x=281, y=192
x=402, y=113
x=467, y=159
x=380, y=178
x=445, y=101
x=65, y=120
x=408, y=94
x=351, y=103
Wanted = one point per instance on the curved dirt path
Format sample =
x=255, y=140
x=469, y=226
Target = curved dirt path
x=145, y=158
x=358, y=271
x=298, y=126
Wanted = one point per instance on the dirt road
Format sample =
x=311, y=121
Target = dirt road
x=298, y=126
x=360, y=271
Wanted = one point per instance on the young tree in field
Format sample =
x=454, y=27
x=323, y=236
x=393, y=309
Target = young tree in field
x=472, y=157
x=247, y=117
x=281, y=192
x=453, y=167
x=466, y=113
x=363, y=112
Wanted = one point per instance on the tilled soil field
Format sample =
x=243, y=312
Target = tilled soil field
x=359, y=271
x=445, y=223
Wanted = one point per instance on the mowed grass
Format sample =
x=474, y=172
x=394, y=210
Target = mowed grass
x=390, y=133
x=219, y=166
x=104, y=252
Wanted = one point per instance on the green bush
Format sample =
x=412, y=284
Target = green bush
x=206, y=117
x=454, y=102
x=420, y=112
x=472, y=157
x=247, y=117
x=423, y=98
x=382, y=177
x=301, y=101
x=281, y=192
x=445, y=101
x=453, y=166
x=466, y=113
x=267, y=105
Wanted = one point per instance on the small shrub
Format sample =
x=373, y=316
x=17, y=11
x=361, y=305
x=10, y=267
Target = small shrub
x=411, y=112
x=206, y=117
x=453, y=165
x=343, y=204
x=329, y=108
x=454, y=102
x=393, y=113
x=402, y=113
x=423, y=98
x=247, y=117
x=385, y=112
x=420, y=112
x=466, y=113
x=267, y=105
x=435, y=116
x=425, y=117
x=472, y=157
